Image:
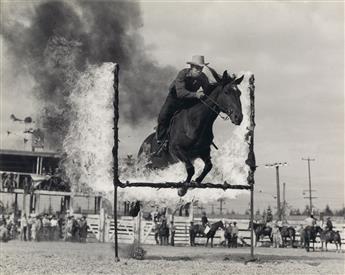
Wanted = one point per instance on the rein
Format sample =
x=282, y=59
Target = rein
x=226, y=117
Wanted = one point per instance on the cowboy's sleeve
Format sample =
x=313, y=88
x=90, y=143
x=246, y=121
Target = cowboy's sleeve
x=181, y=91
x=204, y=82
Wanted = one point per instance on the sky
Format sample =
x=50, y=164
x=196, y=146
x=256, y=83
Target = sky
x=296, y=52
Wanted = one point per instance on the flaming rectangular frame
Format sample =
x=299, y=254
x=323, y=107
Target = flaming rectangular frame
x=250, y=161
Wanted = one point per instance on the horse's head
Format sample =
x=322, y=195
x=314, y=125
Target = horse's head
x=229, y=97
x=220, y=224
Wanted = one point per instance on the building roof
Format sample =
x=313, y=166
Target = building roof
x=29, y=153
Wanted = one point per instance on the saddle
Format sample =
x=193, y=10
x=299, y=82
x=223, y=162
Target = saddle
x=164, y=146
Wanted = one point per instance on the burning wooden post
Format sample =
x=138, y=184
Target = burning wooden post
x=251, y=160
x=115, y=154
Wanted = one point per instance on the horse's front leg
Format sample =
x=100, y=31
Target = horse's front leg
x=211, y=242
x=206, y=242
x=207, y=168
x=182, y=155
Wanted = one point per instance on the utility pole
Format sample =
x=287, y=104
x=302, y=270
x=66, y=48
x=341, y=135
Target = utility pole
x=310, y=190
x=277, y=165
x=221, y=201
x=284, y=201
x=212, y=205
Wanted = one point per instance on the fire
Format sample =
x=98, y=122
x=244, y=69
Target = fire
x=88, y=146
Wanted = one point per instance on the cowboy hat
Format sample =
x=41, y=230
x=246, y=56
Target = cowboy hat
x=198, y=60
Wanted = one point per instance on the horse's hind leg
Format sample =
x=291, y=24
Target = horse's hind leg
x=207, y=168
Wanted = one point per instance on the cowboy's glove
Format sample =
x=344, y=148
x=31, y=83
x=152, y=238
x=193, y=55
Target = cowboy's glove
x=199, y=94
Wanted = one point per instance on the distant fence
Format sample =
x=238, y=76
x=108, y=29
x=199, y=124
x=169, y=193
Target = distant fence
x=102, y=229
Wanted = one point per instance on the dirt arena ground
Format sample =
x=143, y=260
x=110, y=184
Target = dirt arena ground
x=98, y=258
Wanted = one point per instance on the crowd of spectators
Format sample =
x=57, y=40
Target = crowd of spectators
x=50, y=181
x=44, y=227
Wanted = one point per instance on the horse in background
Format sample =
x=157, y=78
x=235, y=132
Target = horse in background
x=331, y=237
x=198, y=230
x=261, y=230
x=310, y=234
x=288, y=232
x=163, y=233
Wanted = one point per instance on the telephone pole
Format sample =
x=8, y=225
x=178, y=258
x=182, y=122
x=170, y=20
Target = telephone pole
x=277, y=165
x=310, y=190
x=284, y=201
x=221, y=201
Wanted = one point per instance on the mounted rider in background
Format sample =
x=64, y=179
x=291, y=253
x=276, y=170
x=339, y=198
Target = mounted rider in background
x=310, y=221
x=183, y=93
x=329, y=224
x=205, y=223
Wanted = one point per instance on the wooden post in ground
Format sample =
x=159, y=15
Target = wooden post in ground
x=115, y=154
x=251, y=162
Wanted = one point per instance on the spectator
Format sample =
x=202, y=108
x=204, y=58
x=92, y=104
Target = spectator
x=23, y=227
x=46, y=227
x=172, y=233
x=75, y=230
x=275, y=234
x=83, y=229
x=29, y=229
x=155, y=214
x=300, y=231
x=39, y=228
x=156, y=230
x=34, y=226
x=54, y=230
x=234, y=235
x=228, y=233
x=68, y=229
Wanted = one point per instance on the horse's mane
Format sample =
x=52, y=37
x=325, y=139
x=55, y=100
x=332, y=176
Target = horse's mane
x=211, y=87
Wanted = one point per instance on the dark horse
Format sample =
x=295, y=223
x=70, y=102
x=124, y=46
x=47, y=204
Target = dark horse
x=288, y=232
x=310, y=234
x=329, y=237
x=163, y=233
x=190, y=134
x=261, y=230
x=198, y=230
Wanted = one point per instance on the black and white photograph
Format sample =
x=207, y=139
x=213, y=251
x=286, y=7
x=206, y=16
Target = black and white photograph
x=172, y=137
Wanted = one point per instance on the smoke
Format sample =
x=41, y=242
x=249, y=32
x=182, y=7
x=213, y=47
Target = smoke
x=55, y=41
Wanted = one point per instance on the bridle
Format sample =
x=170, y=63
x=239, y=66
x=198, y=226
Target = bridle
x=218, y=110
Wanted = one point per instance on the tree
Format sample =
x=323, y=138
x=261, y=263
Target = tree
x=295, y=212
x=328, y=211
x=340, y=212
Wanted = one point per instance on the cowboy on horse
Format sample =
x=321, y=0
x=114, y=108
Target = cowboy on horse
x=183, y=93
x=194, y=112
